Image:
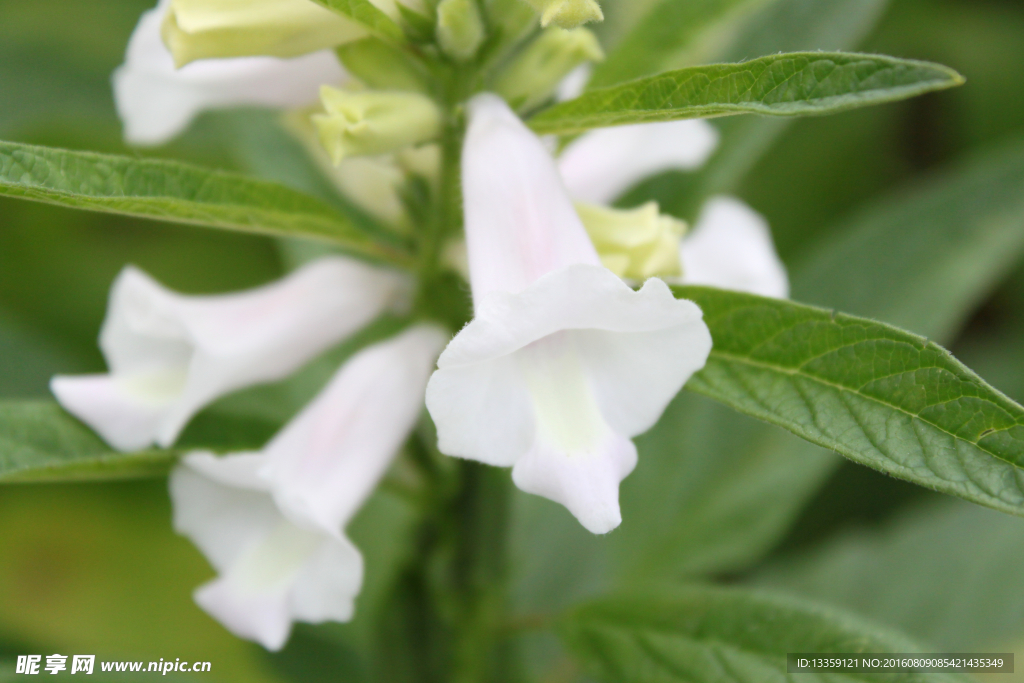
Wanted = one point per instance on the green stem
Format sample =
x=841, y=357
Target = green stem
x=480, y=575
x=453, y=610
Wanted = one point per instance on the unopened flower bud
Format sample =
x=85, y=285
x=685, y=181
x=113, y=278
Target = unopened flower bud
x=535, y=74
x=460, y=28
x=202, y=29
x=635, y=244
x=362, y=123
x=567, y=13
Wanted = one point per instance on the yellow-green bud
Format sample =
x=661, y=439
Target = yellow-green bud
x=536, y=72
x=460, y=28
x=366, y=123
x=371, y=183
x=203, y=29
x=635, y=244
x=567, y=13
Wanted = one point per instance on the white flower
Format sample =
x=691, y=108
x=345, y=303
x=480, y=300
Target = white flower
x=169, y=355
x=731, y=245
x=156, y=102
x=731, y=248
x=271, y=570
x=563, y=362
x=272, y=523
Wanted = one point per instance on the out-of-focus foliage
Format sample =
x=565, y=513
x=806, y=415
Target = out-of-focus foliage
x=89, y=568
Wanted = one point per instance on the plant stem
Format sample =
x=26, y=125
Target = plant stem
x=480, y=574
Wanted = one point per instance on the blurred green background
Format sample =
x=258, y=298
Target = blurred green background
x=95, y=568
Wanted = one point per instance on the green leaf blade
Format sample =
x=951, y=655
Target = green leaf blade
x=706, y=634
x=875, y=394
x=795, y=84
x=40, y=442
x=173, y=191
x=892, y=574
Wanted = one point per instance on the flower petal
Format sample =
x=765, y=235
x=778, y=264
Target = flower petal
x=731, y=248
x=156, y=102
x=261, y=618
x=520, y=224
x=121, y=418
x=586, y=484
x=327, y=585
x=328, y=459
x=600, y=165
x=272, y=572
x=482, y=411
x=173, y=354
x=638, y=349
x=220, y=518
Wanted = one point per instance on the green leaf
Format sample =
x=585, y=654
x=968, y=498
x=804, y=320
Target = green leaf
x=943, y=248
x=896, y=575
x=783, y=26
x=173, y=191
x=795, y=84
x=40, y=442
x=880, y=396
x=367, y=14
x=953, y=237
x=705, y=634
x=665, y=37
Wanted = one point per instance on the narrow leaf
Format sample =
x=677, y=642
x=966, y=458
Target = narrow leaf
x=664, y=36
x=878, y=395
x=795, y=84
x=40, y=442
x=783, y=26
x=942, y=246
x=173, y=191
x=708, y=635
x=895, y=574
x=367, y=14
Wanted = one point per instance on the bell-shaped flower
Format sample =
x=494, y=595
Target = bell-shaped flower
x=367, y=123
x=271, y=570
x=567, y=13
x=214, y=29
x=601, y=164
x=156, y=101
x=563, y=362
x=169, y=355
x=272, y=523
x=731, y=248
